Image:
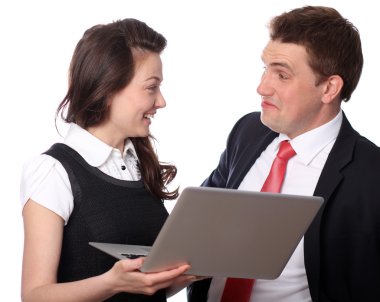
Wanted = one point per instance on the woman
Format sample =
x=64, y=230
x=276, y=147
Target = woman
x=104, y=183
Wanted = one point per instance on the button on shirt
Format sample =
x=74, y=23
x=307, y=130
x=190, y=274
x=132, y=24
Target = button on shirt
x=45, y=181
x=302, y=174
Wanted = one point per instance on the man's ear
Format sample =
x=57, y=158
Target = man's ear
x=333, y=88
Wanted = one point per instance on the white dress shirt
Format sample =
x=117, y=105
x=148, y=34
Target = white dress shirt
x=302, y=174
x=45, y=181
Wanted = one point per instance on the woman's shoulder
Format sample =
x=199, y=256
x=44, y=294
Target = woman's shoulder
x=37, y=169
x=39, y=165
x=45, y=181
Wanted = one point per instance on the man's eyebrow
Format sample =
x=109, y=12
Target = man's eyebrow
x=283, y=65
x=277, y=64
x=280, y=64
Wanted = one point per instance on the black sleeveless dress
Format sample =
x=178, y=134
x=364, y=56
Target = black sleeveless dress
x=106, y=210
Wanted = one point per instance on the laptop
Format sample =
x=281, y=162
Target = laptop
x=226, y=233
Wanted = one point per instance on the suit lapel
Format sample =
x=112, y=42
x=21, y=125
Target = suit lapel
x=247, y=158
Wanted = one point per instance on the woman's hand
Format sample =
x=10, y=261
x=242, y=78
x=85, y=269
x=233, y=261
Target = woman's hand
x=125, y=276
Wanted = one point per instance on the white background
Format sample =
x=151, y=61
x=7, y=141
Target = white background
x=211, y=68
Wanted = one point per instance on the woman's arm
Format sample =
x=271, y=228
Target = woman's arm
x=43, y=231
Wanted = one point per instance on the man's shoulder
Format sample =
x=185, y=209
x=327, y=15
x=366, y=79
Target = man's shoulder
x=251, y=117
x=250, y=125
x=367, y=150
x=249, y=133
x=363, y=153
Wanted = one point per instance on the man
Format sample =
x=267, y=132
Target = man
x=313, y=62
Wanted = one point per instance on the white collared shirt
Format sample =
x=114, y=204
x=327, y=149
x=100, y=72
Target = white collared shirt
x=302, y=174
x=45, y=181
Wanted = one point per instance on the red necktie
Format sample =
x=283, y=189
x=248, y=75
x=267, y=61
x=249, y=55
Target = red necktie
x=240, y=290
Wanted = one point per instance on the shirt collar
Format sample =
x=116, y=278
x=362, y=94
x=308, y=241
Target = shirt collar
x=94, y=151
x=308, y=145
x=129, y=149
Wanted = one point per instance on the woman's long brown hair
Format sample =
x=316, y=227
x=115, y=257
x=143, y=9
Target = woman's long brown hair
x=103, y=64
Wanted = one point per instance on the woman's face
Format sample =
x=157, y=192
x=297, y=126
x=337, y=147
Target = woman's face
x=132, y=108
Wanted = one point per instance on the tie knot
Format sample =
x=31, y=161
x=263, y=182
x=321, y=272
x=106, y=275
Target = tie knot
x=286, y=151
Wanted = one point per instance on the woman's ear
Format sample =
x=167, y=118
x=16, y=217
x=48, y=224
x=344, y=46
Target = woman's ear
x=333, y=88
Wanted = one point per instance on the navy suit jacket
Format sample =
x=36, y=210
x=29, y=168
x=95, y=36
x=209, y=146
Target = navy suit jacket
x=342, y=245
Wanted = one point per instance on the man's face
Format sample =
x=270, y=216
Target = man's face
x=291, y=101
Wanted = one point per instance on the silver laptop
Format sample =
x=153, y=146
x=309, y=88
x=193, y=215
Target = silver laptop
x=226, y=233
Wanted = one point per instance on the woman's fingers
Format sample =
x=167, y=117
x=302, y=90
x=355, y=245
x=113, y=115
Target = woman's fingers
x=126, y=276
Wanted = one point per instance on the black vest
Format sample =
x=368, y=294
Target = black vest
x=106, y=210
